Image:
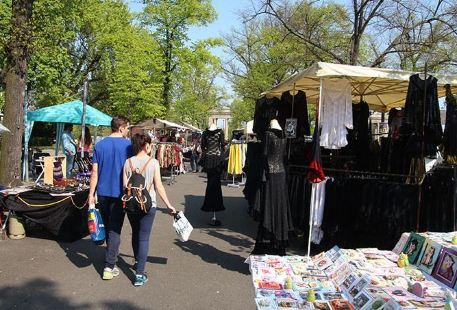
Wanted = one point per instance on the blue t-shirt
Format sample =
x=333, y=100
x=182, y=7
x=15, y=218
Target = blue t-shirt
x=110, y=154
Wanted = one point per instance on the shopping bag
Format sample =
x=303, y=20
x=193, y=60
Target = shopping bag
x=182, y=226
x=95, y=225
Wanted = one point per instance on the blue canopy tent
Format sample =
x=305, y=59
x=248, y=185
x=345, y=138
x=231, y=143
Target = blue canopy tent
x=68, y=112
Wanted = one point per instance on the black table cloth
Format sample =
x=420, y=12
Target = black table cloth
x=63, y=216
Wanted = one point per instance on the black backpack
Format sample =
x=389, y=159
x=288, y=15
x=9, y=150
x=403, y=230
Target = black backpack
x=136, y=198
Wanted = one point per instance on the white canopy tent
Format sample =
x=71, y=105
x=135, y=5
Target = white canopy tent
x=193, y=128
x=157, y=123
x=382, y=89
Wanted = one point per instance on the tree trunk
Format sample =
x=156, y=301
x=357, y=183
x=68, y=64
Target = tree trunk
x=15, y=84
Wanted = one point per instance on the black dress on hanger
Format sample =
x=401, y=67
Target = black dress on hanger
x=275, y=217
x=212, y=147
x=450, y=131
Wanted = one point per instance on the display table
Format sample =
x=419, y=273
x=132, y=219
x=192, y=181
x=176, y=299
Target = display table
x=63, y=216
x=365, y=278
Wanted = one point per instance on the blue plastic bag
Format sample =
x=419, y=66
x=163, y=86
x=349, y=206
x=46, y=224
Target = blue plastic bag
x=96, y=226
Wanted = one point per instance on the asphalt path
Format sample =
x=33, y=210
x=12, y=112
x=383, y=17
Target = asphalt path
x=206, y=272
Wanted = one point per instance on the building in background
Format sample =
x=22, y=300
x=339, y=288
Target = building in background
x=221, y=117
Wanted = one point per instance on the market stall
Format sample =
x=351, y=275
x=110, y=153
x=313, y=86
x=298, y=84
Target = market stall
x=69, y=112
x=348, y=185
x=419, y=273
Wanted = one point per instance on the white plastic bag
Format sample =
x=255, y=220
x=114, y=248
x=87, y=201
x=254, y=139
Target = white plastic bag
x=182, y=226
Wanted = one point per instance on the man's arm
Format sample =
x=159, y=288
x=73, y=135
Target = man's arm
x=93, y=183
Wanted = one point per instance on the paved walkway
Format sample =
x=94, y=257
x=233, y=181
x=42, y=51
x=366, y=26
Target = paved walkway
x=207, y=272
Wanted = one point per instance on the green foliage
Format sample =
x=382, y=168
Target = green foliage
x=242, y=111
x=170, y=22
x=195, y=91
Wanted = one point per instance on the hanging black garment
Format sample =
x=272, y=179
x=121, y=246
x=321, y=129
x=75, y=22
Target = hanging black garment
x=212, y=147
x=300, y=111
x=450, y=131
x=266, y=109
x=414, y=113
x=253, y=168
x=275, y=217
x=360, y=115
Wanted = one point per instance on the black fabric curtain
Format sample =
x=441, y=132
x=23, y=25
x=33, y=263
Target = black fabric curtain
x=439, y=200
x=67, y=220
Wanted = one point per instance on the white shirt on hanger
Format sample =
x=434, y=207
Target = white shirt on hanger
x=335, y=113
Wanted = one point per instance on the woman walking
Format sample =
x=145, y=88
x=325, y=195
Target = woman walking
x=142, y=223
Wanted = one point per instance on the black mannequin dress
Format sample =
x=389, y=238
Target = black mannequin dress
x=275, y=217
x=212, y=147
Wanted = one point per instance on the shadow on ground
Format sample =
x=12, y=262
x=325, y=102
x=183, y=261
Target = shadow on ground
x=40, y=294
x=212, y=255
x=84, y=253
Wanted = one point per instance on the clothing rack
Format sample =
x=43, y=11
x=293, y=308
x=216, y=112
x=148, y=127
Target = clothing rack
x=173, y=173
x=243, y=175
x=359, y=172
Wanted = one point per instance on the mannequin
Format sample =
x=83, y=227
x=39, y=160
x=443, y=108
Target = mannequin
x=275, y=125
x=212, y=147
x=274, y=209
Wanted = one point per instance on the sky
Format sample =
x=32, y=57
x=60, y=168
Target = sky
x=227, y=11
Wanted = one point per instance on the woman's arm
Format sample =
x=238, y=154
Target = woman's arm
x=161, y=190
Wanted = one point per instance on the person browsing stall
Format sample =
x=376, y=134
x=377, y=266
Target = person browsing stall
x=142, y=223
x=108, y=161
x=69, y=147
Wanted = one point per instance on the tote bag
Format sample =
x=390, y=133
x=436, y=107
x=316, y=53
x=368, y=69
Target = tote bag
x=182, y=226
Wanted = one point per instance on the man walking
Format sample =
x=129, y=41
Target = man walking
x=109, y=157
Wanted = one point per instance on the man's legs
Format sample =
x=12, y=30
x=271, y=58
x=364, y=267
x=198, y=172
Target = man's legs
x=116, y=220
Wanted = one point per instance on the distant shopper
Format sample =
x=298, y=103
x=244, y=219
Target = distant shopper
x=87, y=147
x=195, y=156
x=69, y=147
x=108, y=161
x=142, y=223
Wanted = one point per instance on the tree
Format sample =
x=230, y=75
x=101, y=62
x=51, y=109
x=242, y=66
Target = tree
x=384, y=25
x=17, y=55
x=170, y=21
x=196, y=93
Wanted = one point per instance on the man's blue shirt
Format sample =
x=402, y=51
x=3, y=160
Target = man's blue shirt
x=110, y=154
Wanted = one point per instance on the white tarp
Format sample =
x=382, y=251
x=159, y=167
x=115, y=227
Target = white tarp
x=193, y=128
x=382, y=89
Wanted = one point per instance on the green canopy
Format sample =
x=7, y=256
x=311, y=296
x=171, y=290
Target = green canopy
x=69, y=112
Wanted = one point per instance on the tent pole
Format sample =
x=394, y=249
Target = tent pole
x=83, y=118
x=422, y=158
x=25, y=160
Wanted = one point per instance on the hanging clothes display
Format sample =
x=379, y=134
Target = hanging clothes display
x=237, y=157
x=266, y=109
x=316, y=173
x=431, y=134
x=254, y=169
x=450, y=130
x=298, y=105
x=317, y=206
x=360, y=136
x=275, y=217
x=212, y=147
x=168, y=155
x=335, y=113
